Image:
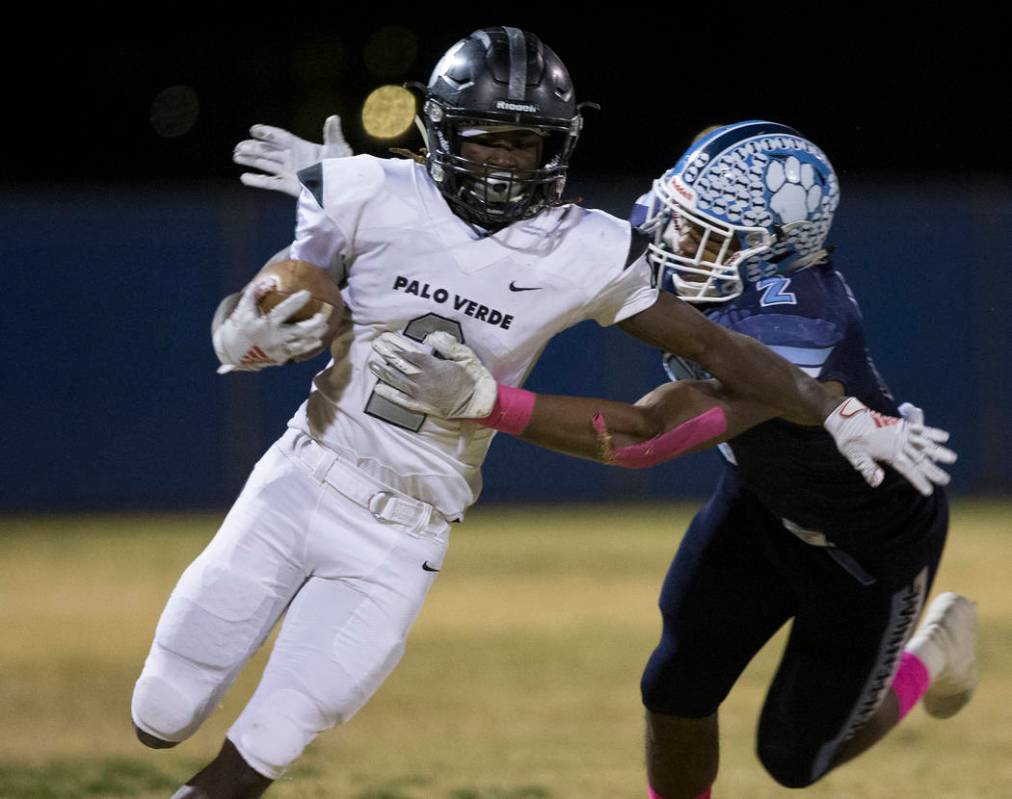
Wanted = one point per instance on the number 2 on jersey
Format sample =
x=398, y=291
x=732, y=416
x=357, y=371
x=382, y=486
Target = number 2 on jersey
x=417, y=330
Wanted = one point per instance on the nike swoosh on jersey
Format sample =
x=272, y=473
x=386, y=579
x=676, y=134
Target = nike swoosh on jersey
x=428, y=568
x=515, y=287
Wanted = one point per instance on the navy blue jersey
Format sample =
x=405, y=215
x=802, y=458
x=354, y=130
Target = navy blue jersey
x=811, y=319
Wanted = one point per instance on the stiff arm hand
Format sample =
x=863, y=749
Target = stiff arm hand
x=250, y=341
x=866, y=438
x=456, y=385
x=281, y=155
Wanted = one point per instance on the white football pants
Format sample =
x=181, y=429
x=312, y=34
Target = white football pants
x=343, y=554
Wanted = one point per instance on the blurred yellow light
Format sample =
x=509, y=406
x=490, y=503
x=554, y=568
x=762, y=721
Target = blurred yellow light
x=388, y=112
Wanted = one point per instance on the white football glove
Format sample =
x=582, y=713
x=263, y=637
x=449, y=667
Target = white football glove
x=250, y=341
x=282, y=154
x=454, y=386
x=911, y=448
x=911, y=413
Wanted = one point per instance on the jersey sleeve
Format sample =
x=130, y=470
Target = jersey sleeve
x=334, y=194
x=627, y=294
x=318, y=239
x=617, y=275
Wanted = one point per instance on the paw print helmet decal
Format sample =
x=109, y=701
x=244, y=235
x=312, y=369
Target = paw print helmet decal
x=745, y=201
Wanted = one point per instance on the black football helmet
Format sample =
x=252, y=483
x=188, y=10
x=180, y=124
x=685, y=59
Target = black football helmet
x=500, y=77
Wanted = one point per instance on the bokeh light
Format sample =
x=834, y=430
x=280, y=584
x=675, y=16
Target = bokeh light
x=388, y=112
x=174, y=111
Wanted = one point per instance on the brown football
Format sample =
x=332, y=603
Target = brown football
x=292, y=276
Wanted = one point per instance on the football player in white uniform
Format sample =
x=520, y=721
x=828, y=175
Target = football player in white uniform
x=345, y=520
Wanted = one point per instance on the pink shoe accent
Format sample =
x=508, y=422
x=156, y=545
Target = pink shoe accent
x=671, y=444
x=512, y=411
x=911, y=682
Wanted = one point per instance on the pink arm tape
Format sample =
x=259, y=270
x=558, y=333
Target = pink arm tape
x=668, y=445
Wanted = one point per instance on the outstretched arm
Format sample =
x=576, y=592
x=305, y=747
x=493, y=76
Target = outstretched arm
x=741, y=363
x=672, y=420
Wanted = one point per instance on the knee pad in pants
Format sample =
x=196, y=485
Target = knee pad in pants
x=274, y=735
x=161, y=710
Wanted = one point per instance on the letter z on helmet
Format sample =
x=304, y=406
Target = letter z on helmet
x=500, y=78
x=754, y=199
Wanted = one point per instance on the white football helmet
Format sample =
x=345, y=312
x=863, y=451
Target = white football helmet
x=745, y=201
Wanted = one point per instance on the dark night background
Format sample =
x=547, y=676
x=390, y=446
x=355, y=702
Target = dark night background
x=881, y=100
x=123, y=220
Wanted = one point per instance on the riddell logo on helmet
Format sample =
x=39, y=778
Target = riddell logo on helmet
x=506, y=105
x=686, y=193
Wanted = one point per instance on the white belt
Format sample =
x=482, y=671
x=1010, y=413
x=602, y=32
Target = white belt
x=384, y=503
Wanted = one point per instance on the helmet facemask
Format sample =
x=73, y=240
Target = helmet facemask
x=491, y=195
x=745, y=202
x=700, y=254
x=499, y=79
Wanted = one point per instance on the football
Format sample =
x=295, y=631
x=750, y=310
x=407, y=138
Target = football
x=279, y=280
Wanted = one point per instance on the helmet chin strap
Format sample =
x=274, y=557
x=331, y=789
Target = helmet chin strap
x=421, y=129
x=810, y=259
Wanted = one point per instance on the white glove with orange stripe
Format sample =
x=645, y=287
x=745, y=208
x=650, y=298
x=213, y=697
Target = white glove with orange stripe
x=867, y=438
x=250, y=341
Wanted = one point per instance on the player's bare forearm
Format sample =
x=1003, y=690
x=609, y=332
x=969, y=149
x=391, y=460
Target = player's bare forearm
x=742, y=364
x=674, y=404
x=567, y=424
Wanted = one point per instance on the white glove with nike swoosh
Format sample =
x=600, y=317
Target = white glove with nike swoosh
x=865, y=437
x=249, y=341
x=282, y=154
x=453, y=386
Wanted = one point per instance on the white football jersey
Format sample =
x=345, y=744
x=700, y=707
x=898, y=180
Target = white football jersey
x=412, y=266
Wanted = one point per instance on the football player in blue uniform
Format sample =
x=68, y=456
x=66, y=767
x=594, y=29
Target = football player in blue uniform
x=791, y=531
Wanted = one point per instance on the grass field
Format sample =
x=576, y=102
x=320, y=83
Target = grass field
x=520, y=679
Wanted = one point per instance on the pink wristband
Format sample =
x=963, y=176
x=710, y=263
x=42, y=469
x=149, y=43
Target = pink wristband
x=512, y=411
x=671, y=444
